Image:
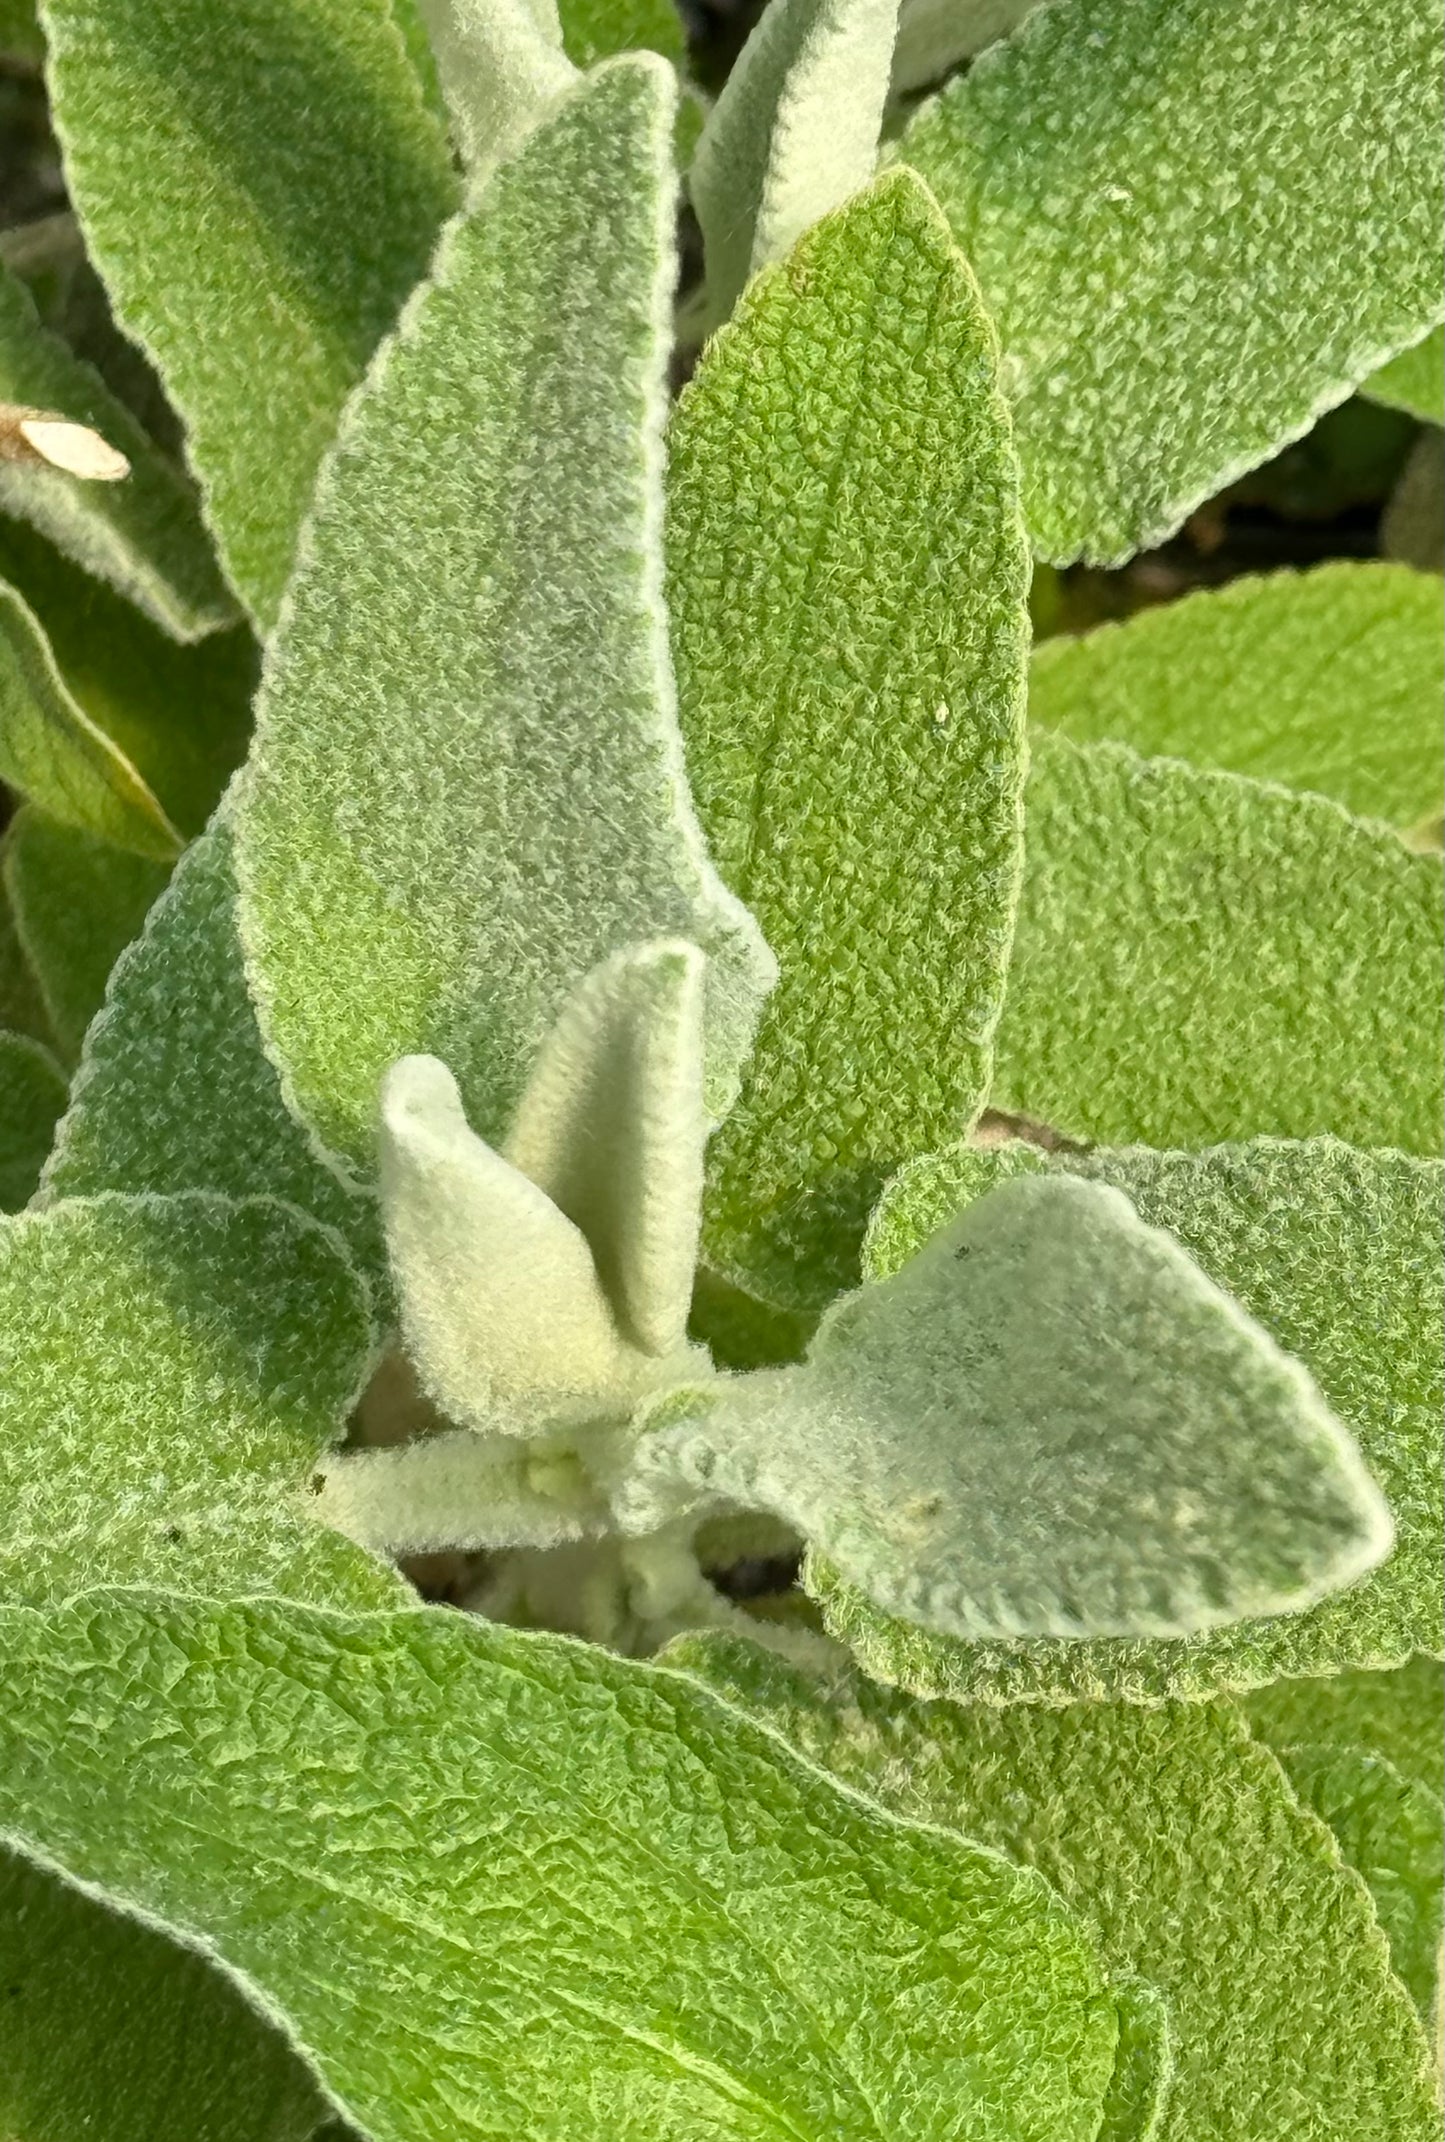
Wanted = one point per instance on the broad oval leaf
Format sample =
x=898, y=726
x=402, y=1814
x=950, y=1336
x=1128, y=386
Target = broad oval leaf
x=847, y=580
x=254, y=249
x=1183, y=276
x=467, y=785
x=652, y=1920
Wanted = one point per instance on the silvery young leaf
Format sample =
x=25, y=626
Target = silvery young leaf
x=794, y=132
x=468, y=784
x=180, y=712
x=143, y=534
x=561, y=1894
x=1399, y=1716
x=1048, y=1423
x=1178, y=1842
x=172, y=1370
x=51, y=751
x=847, y=580
x=1337, y=1253
x=256, y=254
x=1200, y=957
x=32, y=1094
x=108, y=2028
x=1414, y=381
x=934, y=36
x=1330, y=680
x=1183, y=279
x=591, y=29
x=77, y=902
x=501, y=64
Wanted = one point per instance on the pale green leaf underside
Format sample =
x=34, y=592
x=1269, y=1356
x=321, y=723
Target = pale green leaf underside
x=1330, y=680
x=78, y=902
x=793, y=134
x=1176, y=1839
x=173, y=1368
x=52, y=752
x=32, y=1094
x=259, y=203
x=174, y=1090
x=560, y=1895
x=847, y=580
x=1048, y=1423
x=1414, y=381
x=1198, y=224
x=111, y=2029
x=143, y=535
x=1399, y=1716
x=500, y=64
x=468, y=784
x=1337, y=1253
x=1201, y=957
x=935, y=35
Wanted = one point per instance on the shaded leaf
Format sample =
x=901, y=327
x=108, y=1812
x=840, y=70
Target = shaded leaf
x=591, y=29
x=1399, y=1716
x=847, y=580
x=1200, y=957
x=934, y=36
x=22, y=1008
x=20, y=33
x=255, y=255
x=1337, y=1253
x=1177, y=1841
x=467, y=786
x=1330, y=680
x=144, y=535
x=1412, y=526
x=1414, y=381
x=32, y=1095
x=688, y=1931
x=1181, y=282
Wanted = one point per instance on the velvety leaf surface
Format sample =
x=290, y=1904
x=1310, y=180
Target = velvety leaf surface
x=934, y=36
x=591, y=29
x=1200, y=957
x=256, y=254
x=1399, y=1716
x=1337, y=1253
x=1048, y=1423
x=78, y=902
x=1330, y=680
x=500, y=64
x=1182, y=278
x=144, y=534
x=1413, y=381
x=794, y=132
x=847, y=579
x=107, y=2028
x=172, y=1370
x=467, y=784
x=174, y=1090
x=561, y=1894
x=1177, y=1841
x=32, y=1095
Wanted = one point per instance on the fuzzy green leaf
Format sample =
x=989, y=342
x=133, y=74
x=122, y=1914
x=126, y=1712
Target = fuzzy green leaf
x=78, y=902
x=501, y=64
x=1413, y=381
x=1412, y=526
x=1182, y=279
x=1399, y=1716
x=1049, y=1422
x=467, y=786
x=1330, y=680
x=1201, y=957
x=174, y=1090
x=847, y=578
x=1177, y=1841
x=110, y=2029
x=173, y=1368
x=143, y=535
x=793, y=134
x=1337, y=1254
x=561, y=1894
x=20, y=33
x=259, y=204
x=32, y=1095
x=934, y=36
x=593, y=29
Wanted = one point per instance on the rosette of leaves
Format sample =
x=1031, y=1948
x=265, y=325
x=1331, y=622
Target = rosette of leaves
x=557, y=1113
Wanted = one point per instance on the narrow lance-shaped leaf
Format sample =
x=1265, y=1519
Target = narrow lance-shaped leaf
x=1413, y=381
x=32, y=1095
x=255, y=254
x=1181, y=1845
x=1201, y=957
x=1182, y=281
x=142, y=534
x=501, y=65
x=1048, y=1423
x=1337, y=1253
x=1330, y=680
x=847, y=579
x=467, y=785
x=682, y=1929
x=792, y=135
